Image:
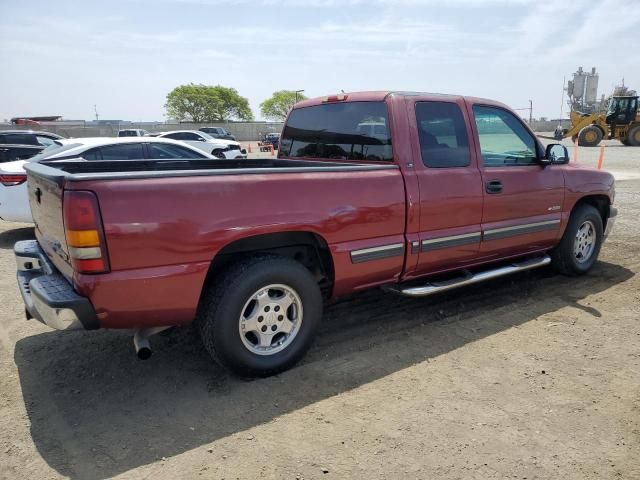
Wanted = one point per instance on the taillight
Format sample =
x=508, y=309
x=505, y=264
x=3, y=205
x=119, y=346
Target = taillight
x=83, y=230
x=11, y=179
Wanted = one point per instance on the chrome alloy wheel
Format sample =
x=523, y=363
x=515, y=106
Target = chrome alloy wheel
x=585, y=242
x=270, y=320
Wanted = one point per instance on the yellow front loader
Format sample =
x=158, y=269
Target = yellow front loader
x=621, y=122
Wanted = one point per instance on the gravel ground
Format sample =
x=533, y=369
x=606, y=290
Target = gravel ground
x=532, y=376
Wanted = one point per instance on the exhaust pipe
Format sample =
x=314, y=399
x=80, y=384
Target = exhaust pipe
x=141, y=341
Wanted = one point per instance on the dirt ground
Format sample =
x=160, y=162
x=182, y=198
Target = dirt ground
x=535, y=376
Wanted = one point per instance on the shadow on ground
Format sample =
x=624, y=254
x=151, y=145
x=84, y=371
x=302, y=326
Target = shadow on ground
x=9, y=237
x=96, y=411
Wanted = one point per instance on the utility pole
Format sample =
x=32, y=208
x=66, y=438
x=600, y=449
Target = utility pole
x=530, y=112
x=297, y=92
x=95, y=109
x=564, y=81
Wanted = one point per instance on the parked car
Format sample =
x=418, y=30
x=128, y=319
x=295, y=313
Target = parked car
x=272, y=139
x=250, y=250
x=14, y=199
x=22, y=144
x=133, y=132
x=218, y=132
x=218, y=147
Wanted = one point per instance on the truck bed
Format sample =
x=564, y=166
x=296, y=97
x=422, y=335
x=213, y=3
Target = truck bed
x=163, y=226
x=71, y=170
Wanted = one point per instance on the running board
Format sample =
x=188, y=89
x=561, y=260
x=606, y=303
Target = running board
x=470, y=278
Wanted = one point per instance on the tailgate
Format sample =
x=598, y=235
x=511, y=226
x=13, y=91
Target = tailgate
x=45, y=200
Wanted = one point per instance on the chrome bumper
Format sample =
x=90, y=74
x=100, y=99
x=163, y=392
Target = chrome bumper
x=613, y=213
x=48, y=296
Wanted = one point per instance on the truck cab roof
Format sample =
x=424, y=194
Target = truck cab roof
x=382, y=95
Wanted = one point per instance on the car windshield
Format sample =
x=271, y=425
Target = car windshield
x=206, y=135
x=53, y=149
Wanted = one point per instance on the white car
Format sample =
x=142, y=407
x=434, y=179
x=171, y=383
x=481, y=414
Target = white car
x=14, y=198
x=133, y=132
x=217, y=147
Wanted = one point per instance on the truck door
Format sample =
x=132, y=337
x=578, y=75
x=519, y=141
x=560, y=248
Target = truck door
x=522, y=198
x=450, y=186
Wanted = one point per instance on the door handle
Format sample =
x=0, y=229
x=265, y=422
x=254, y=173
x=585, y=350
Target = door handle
x=493, y=186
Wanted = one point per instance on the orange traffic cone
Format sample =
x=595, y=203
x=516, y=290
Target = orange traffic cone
x=601, y=157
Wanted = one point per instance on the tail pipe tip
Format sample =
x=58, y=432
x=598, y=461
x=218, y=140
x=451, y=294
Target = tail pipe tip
x=141, y=341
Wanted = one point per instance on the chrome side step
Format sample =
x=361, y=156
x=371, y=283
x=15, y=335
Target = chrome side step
x=470, y=278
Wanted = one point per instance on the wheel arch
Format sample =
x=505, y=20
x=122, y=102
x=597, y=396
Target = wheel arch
x=308, y=248
x=599, y=202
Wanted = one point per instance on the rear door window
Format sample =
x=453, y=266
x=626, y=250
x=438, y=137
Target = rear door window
x=21, y=139
x=340, y=131
x=126, y=151
x=443, y=135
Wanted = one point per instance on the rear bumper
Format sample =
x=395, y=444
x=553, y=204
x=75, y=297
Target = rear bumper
x=48, y=296
x=613, y=213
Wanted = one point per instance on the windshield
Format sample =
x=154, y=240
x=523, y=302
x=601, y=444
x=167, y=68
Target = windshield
x=206, y=135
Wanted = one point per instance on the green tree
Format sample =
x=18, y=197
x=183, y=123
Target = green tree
x=207, y=103
x=278, y=106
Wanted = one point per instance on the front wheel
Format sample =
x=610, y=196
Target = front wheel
x=580, y=245
x=260, y=316
x=590, y=136
x=634, y=137
x=218, y=154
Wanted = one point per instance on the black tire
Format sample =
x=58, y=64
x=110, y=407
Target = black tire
x=590, y=136
x=220, y=310
x=218, y=154
x=563, y=258
x=634, y=136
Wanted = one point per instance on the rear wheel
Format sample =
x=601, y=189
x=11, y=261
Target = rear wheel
x=260, y=316
x=590, y=136
x=580, y=245
x=634, y=136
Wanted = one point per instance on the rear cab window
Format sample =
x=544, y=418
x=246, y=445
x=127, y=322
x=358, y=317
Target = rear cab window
x=338, y=131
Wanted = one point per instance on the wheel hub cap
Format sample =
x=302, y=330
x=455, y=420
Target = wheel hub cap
x=585, y=241
x=270, y=319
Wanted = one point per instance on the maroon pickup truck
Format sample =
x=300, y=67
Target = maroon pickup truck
x=412, y=192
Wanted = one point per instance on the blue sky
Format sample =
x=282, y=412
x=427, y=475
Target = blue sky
x=62, y=57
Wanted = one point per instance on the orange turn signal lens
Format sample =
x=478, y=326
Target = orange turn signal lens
x=83, y=238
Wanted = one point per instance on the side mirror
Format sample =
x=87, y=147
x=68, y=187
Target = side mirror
x=556, y=154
